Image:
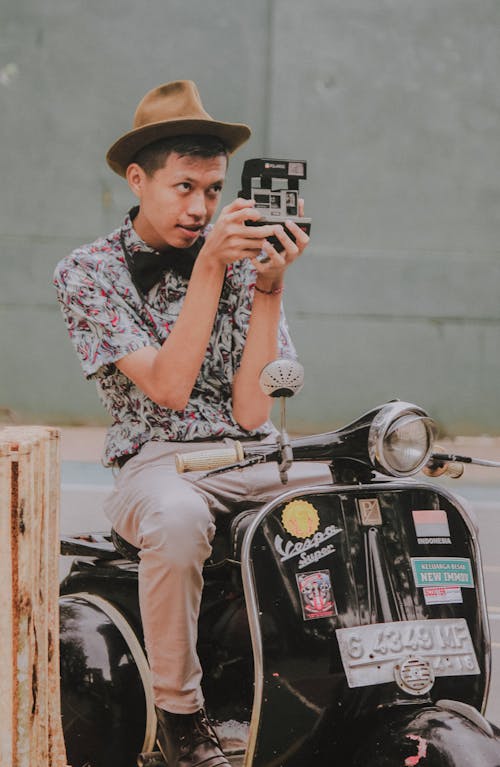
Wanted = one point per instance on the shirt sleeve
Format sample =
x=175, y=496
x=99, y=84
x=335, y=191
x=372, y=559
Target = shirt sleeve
x=102, y=326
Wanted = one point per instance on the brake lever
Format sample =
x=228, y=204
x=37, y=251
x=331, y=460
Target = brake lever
x=230, y=467
x=453, y=465
x=448, y=457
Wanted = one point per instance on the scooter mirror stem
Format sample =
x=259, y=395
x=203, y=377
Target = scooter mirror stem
x=286, y=453
x=282, y=414
x=283, y=378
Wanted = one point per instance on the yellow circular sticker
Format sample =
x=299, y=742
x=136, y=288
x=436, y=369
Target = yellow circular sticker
x=300, y=519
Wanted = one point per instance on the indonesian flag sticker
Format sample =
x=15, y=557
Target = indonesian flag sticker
x=431, y=526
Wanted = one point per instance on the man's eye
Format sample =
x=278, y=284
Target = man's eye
x=216, y=189
x=184, y=186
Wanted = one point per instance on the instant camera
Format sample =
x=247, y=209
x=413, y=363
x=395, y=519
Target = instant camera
x=274, y=185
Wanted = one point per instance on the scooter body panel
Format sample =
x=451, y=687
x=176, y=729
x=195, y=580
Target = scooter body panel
x=313, y=562
x=336, y=558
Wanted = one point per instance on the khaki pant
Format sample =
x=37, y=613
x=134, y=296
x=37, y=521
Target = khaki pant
x=170, y=518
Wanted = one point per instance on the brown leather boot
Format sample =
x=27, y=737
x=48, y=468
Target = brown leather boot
x=189, y=740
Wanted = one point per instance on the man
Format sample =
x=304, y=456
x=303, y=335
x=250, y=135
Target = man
x=174, y=320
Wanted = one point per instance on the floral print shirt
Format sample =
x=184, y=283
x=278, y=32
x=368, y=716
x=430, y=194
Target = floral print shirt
x=107, y=319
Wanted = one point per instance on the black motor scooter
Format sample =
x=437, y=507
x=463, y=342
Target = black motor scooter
x=343, y=624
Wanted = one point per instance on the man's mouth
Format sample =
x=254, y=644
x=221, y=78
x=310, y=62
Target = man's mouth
x=193, y=228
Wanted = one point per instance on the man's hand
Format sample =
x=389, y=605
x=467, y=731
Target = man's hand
x=231, y=240
x=251, y=407
x=271, y=271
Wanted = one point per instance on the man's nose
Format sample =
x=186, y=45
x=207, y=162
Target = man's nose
x=197, y=205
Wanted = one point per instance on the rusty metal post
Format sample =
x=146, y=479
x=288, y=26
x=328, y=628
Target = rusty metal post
x=30, y=721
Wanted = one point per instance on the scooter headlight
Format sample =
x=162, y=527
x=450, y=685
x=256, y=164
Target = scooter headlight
x=400, y=439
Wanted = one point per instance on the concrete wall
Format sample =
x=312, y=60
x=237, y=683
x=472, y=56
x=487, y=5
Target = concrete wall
x=394, y=104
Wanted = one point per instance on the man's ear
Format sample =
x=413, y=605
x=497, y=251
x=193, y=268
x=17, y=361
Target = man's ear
x=135, y=177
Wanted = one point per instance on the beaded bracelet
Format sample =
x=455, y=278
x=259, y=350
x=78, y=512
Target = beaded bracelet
x=274, y=292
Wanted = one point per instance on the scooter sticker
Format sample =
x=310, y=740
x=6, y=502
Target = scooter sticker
x=316, y=595
x=310, y=550
x=300, y=519
x=442, y=571
x=431, y=526
x=369, y=508
x=443, y=595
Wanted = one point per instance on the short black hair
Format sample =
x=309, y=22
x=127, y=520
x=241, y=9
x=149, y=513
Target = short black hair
x=154, y=156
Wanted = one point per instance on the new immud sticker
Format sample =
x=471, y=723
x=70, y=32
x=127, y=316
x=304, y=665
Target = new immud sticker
x=442, y=571
x=431, y=526
x=300, y=519
x=310, y=550
x=316, y=595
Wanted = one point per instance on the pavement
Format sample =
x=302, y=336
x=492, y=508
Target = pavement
x=82, y=443
x=84, y=481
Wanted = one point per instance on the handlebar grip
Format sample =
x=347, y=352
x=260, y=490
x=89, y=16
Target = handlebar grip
x=204, y=460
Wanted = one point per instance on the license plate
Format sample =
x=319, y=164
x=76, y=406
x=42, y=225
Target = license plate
x=369, y=653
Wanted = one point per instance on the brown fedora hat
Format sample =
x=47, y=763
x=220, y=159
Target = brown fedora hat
x=173, y=109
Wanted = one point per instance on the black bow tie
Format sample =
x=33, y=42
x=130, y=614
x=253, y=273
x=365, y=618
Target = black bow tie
x=148, y=267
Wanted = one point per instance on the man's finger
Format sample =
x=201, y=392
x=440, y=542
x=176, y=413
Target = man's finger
x=245, y=213
x=269, y=259
x=258, y=232
x=238, y=203
x=301, y=238
x=289, y=245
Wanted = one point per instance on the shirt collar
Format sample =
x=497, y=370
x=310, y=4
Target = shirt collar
x=147, y=265
x=131, y=239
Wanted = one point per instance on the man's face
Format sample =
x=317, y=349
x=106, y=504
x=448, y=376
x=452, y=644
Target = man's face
x=179, y=200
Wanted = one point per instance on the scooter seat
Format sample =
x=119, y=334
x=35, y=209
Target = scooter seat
x=130, y=552
x=226, y=545
x=123, y=547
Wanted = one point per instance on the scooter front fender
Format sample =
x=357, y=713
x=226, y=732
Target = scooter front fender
x=432, y=736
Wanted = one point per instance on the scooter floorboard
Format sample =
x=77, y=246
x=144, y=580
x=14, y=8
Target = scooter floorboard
x=154, y=759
